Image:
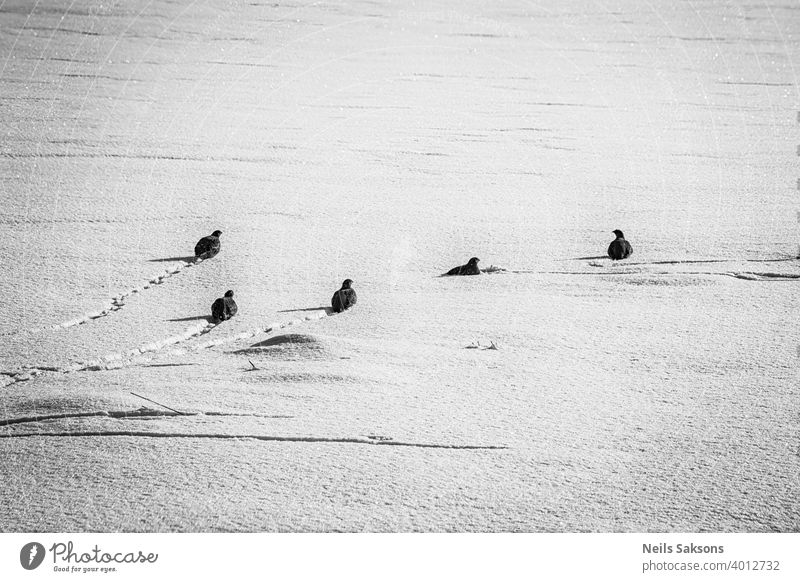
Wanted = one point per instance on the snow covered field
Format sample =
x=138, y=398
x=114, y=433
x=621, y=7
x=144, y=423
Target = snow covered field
x=387, y=142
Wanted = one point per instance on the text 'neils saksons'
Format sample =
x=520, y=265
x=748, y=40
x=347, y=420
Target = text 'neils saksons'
x=681, y=549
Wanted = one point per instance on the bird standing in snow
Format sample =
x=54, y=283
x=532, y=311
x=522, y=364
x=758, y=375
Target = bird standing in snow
x=224, y=307
x=344, y=298
x=471, y=268
x=208, y=246
x=619, y=247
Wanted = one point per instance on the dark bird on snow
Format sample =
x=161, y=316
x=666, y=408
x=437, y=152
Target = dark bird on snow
x=208, y=246
x=224, y=307
x=344, y=298
x=471, y=268
x=619, y=248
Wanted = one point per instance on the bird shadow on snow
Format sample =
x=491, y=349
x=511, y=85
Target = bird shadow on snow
x=327, y=310
x=187, y=259
x=207, y=318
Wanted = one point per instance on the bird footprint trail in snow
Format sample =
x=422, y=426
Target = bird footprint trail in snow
x=146, y=352
x=117, y=302
x=250, y=333
x=117, y=360
x=110, y=361
x=131, y=357
x=113, y=360
x=621, y=269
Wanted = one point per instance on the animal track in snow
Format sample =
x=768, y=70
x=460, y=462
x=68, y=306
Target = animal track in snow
x=269, y=329
x=749, y=276
x=627, y=271
x=116, y=303
x=118, y=360
x=140, y=413
x=147, y=352
x=257, y=437
x=110, y=361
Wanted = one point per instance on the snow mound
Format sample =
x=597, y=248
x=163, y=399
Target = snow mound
x=291, y=346
x=290, y=338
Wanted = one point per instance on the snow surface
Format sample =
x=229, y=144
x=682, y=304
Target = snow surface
x=387, y=143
